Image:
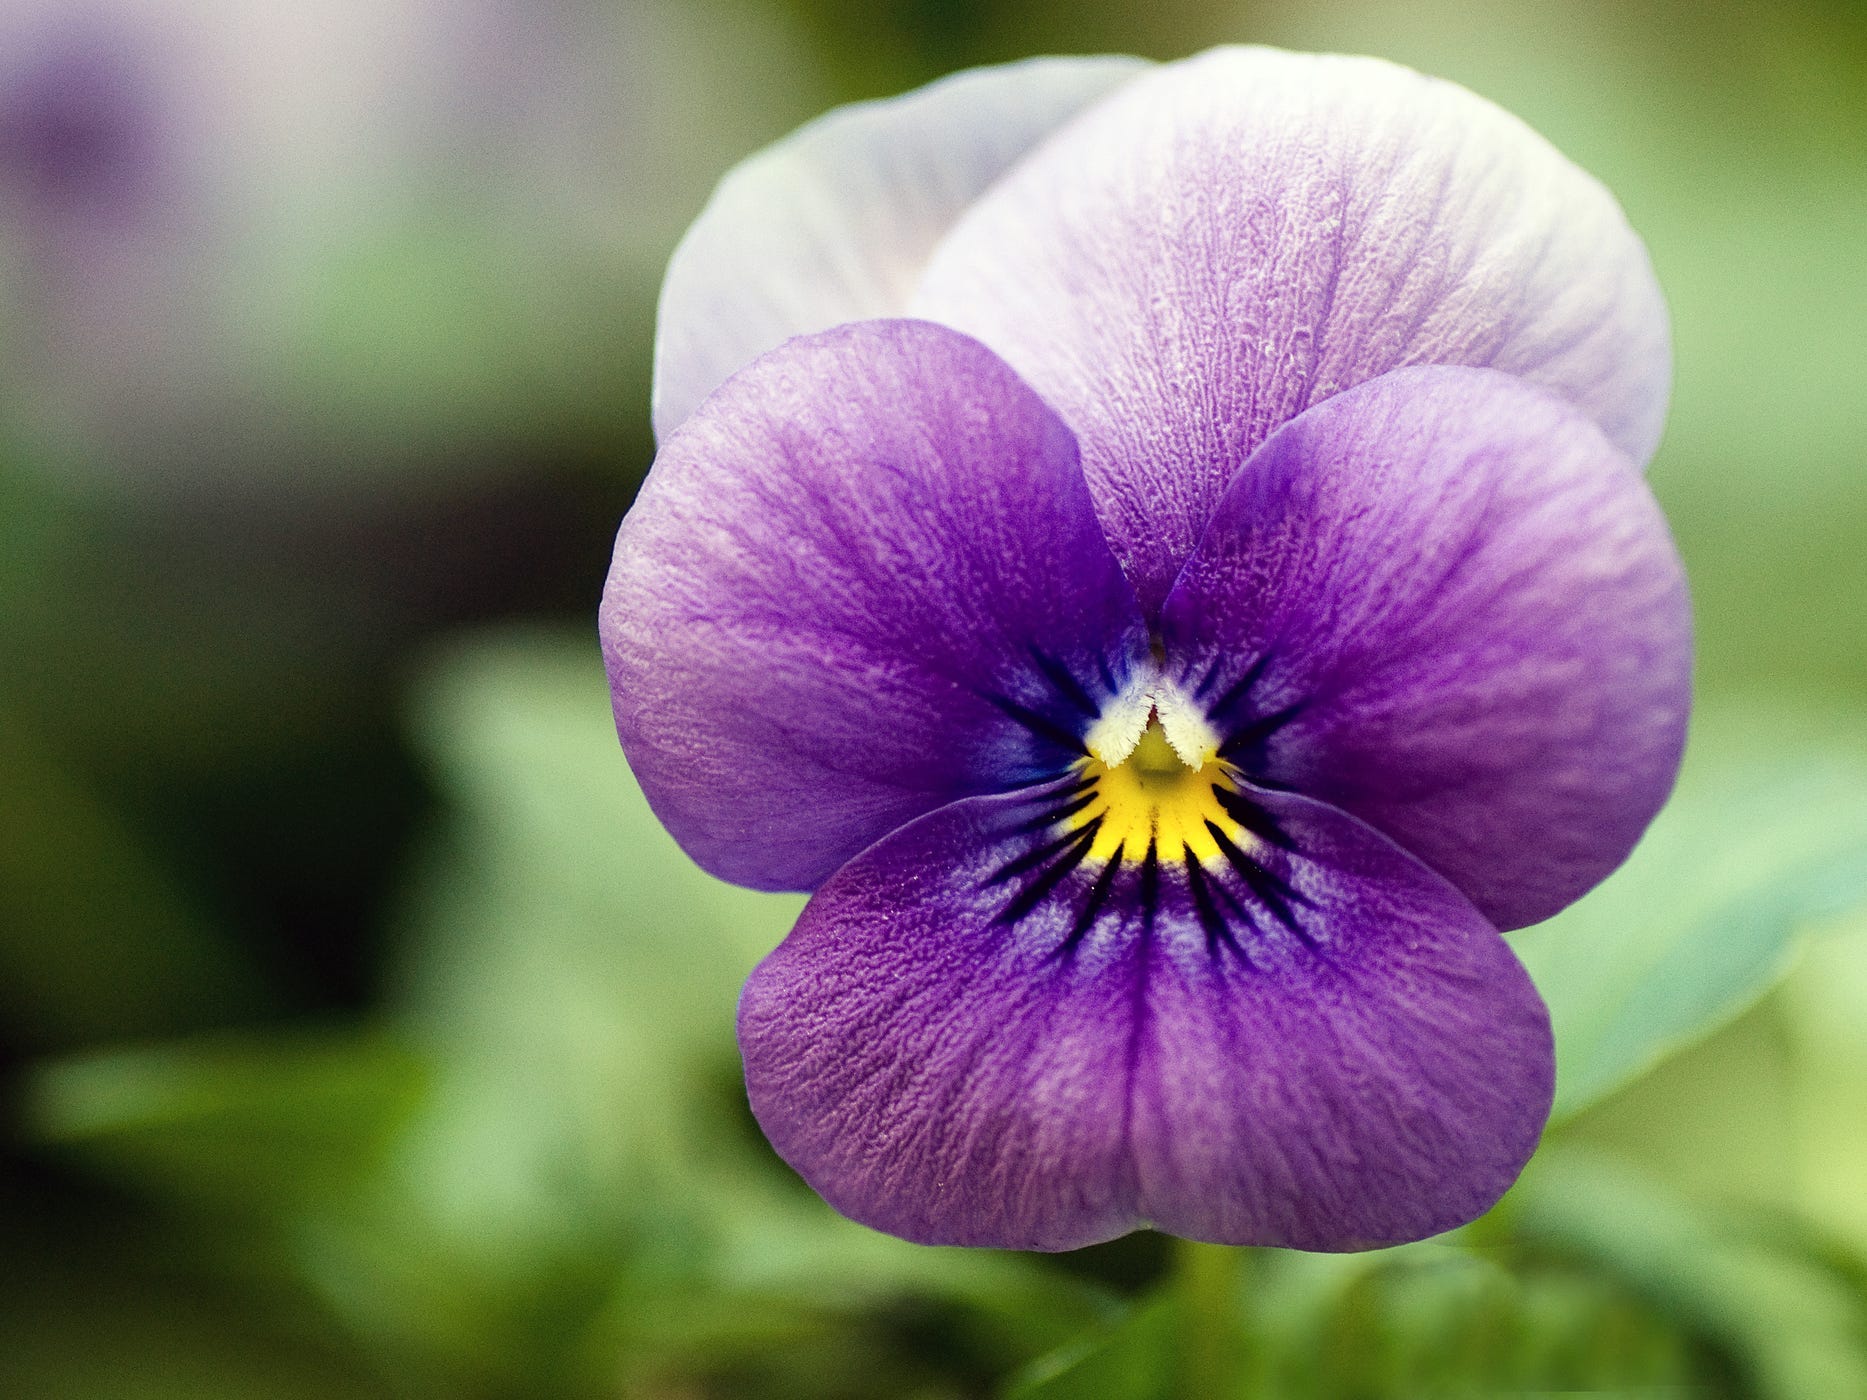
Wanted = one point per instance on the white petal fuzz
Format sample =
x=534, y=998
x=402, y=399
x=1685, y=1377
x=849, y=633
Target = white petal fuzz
x=1183, y=721
x=835, y=222
x=1122, y=723
x=1151, y=696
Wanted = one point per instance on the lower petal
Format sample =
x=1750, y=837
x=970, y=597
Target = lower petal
x=978, y=1035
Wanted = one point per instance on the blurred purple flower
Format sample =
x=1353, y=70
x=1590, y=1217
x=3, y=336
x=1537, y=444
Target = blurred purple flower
x=165, y=167
x=240, y=238
x=1174, y=655
x=76, y=137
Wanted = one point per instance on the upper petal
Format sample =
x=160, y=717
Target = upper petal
x=1445, y=602
x=863, y=579
x=835, y=222
x=1229, y=240
x=976, y=1036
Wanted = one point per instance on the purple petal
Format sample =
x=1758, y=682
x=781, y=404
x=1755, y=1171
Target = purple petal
x=835, y=222
x=1446, y=603
x=962, y=1044
x=1229, y=240
x=865, y=578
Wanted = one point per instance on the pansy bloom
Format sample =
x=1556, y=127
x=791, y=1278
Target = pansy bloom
x=1161, y=554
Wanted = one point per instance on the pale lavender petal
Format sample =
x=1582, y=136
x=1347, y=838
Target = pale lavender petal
x=1327, y=1047
x=835, y=222
x=1229, y=240
x=865, y=578
x=1445, y=602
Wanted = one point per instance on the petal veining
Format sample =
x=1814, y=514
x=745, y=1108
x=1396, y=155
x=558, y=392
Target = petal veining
x=835, y=222
x=825, y=617
x=1229, y=240
x=980, y=1034
x=1445, y=602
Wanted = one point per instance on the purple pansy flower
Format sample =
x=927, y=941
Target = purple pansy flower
x=1180, y=587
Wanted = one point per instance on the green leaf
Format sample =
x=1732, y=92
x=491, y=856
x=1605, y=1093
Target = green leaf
x=1448, y=1318
x=518, y=725
x=1792, y=1324
x=1765, y=838
x=1712, y=1121
x=575, y=974
x=1130, y=1359
x=101, y=1340
x=1823, y=1005
x=98, y=1303
x=80, y=894
x=257, y=1126
x=1434, y=1319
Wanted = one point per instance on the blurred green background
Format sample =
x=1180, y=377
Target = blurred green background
x=362, y=1035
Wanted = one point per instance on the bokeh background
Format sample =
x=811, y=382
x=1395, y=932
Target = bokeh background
x=361, y=1035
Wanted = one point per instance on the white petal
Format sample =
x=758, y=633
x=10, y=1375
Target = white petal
x=835, y=222
x=1229, y=240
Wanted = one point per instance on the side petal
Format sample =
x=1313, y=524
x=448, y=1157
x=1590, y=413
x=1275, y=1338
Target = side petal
x=835, y=222
x=864, y=579
x=1446, y=603
x=1323, y=1046
x=1229, y=240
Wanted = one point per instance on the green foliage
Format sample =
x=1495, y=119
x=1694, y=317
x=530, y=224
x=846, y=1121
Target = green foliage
x=1131, y=1358
x=1827, y=1035
x=1793, y=1325
x=235, y=1124
x=1443, y=1321
x=121, y=1333
x=540, y=1180
x=1424, y=1321
x=544, y=1181
x=79, y=892
x=1765, y=838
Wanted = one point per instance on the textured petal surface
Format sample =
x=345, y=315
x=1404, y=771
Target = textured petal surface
x=1229, y=240
x=864, y=579
x=1327, y=1047
x=1443, y=601
x=835, y=222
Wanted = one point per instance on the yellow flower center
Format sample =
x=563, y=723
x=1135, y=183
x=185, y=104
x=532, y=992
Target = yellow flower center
x=1155, y=796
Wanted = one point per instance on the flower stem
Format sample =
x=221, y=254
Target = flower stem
x=1208, y=1278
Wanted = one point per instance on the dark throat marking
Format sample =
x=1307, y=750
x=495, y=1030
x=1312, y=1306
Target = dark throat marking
x=1065, y=683
x=1219, y=910
x=1040, y=725
x=1224, y=911
x=1062, y=862
x=1253, y=819
x=1254, y=735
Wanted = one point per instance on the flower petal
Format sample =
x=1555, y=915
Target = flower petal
x=864, y=579
x=1444, y=602
x=835, y=222
x=1229, y=240
x=962, y=1044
